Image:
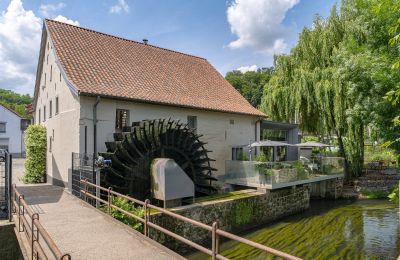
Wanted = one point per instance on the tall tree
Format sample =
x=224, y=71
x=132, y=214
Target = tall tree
x=333, y=81
x=251, y=83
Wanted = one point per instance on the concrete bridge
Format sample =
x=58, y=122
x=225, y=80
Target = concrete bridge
x=80, y=229
x=52, y=222
x=85, y=232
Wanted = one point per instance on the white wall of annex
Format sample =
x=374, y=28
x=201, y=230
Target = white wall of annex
x=216, y=128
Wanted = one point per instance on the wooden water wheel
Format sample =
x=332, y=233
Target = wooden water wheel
x=133, y=151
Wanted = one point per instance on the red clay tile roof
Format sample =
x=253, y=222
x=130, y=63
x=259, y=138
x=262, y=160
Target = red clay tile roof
x=101, y=64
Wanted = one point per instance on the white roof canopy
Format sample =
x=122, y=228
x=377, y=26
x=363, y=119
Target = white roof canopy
x=313, y=144
x=268, y=143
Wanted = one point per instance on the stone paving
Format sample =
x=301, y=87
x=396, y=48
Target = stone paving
x=83, y=231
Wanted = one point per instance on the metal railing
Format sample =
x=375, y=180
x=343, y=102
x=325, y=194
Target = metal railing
x=216, y=233
x=33, y=230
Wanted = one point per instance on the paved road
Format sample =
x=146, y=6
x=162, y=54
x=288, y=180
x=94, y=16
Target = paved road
x=82, y=230
x=18, y=170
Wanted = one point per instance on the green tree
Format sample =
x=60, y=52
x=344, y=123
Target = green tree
x=15, y=101
x=333, y=80
x=250, y=84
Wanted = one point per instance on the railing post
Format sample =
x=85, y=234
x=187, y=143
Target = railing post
x=13, y=198
x=86, y=190
x=109, y=200
x=19, y=213
x=214, y=241
x=35, y=216
x=9, y=187
x=146, y=217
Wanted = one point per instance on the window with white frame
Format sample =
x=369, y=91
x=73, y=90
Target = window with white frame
x=3, y=127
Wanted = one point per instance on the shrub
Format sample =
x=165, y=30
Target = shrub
x=36, y=145
x=394, y=195
x=127, y=206
x=262, y=158
x=379, y=194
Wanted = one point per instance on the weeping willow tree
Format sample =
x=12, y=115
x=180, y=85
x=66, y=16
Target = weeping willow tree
x=333, y=80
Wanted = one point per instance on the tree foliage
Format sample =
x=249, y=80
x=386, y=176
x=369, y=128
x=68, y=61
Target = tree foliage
x=36, y=146
x=250, y=84
x=15, y=101
x=333, y=81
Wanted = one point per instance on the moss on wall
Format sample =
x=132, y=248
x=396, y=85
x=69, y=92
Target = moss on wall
x=234, y=215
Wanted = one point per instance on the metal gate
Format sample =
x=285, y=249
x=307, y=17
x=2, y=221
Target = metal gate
x=82, y=169
x=5, y=183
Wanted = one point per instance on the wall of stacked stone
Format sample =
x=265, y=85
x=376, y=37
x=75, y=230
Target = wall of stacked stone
x=378, y=181
x=334, y=188
x=329, y=189
x=233, y=215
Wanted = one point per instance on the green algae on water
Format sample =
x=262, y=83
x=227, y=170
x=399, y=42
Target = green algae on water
x=364, y=229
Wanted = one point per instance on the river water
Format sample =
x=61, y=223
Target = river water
x=363, y=229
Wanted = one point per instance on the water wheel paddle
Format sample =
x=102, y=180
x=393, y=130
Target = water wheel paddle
x=133, y=150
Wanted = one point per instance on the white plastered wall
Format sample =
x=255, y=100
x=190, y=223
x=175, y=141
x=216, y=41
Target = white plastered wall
x=13, y=137
x=62, y=128
x=215, y=127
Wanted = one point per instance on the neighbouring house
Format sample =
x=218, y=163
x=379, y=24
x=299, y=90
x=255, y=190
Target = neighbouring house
x=12, y=128
x=90, y=84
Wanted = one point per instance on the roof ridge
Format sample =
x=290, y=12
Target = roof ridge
x=124, y=39
x=12, y=111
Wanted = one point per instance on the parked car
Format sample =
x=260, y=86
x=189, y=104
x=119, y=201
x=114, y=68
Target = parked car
x=2, y=155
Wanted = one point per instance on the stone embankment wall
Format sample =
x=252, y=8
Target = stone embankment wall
x=376, y=181
x=329, y=189
x=233, y=215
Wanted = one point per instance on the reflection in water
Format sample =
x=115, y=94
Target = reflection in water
x=328, y=230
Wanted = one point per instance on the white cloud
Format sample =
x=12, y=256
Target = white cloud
x=48, y=10
x=20, y=35
x=245, y=69
x=121, y=6
x=258, y=24
x=63, y=19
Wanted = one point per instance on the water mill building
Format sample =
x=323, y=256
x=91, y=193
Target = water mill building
x=90, y=85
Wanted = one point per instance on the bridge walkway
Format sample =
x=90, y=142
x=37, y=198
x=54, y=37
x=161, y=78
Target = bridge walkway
x=85, y=232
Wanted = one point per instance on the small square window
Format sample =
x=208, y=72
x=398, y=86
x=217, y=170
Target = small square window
x=3, y=127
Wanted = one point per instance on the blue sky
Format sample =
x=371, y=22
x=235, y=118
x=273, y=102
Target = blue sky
x=230, y=34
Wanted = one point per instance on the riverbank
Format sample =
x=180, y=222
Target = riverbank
x=373, y=184
x=342, y=229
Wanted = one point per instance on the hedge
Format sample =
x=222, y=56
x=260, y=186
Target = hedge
x=36, y=147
